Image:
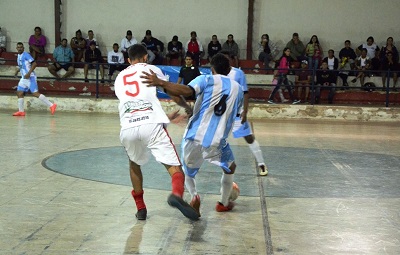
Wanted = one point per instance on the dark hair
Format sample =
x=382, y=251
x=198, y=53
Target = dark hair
x=20, y=43
x=189, y=55
x=221, y=64
x=331, y=51
x=311, y=39
x=266, y=35
x=90, y=31
x=364, y=49
x=115, y=44
x=137, y=51
x=284, y=56
x=38, y=28
x=193, y=33
x=78, y=31
x=295, y=34
x=347, y=41
x=370, y=38
x=225, y=52
x=92, y=43
x=64, y=39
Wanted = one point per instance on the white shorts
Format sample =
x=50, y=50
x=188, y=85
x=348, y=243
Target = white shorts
x=26, y=85
x=241, y=130
x=154, y=137
x=193, y=155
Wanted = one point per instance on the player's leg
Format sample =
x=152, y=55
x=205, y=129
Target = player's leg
x=23, y=86
x=162, y=148
x=136, y=176
x=35, y=91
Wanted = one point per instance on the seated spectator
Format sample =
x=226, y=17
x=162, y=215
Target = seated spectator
x=188, y=72
x=296, y=47
x=63, y=56
x=213, y=47
x=333, y=62
x=267, y=51
x=155, y=46
x=303, y=81
x=127, y=42
x=3, y=41
x=347, y=56
x=175, y=49
x=389, y=47
x=389, y=64
x=78, y=45
x=37, y=42
x=195, y=48
x=93, y=57
x=375, y=64
x=326, y=79
x=233, y=48
x=362, y=63
x=115, y=60
x=90, y=39
x=314, y=52
x=370, y=46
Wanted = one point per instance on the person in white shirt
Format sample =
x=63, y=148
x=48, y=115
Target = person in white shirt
x=116, y=61
x=219, y=100
x=143, y=128
x=127, y=42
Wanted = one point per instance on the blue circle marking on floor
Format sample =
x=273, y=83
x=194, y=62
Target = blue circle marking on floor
x=293, y=172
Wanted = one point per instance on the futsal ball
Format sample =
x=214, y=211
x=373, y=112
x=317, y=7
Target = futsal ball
x=235, y=192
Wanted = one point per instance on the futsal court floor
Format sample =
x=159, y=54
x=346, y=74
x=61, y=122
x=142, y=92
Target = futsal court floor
x=333, y=188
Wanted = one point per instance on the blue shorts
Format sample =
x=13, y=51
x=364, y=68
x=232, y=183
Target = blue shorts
x=241, y=130
x=193, y=156
x=26, y=85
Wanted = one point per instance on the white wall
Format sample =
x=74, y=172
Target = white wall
x=332, y=20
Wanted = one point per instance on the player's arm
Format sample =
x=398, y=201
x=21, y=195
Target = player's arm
x=16, y=71
x=173, y=89
x=28, y=74
x=243, y=116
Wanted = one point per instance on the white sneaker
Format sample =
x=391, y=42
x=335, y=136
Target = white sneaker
x=296, y=101
x=263, y=170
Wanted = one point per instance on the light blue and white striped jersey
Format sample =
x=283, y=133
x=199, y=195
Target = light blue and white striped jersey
x=218, y=101
x=24, y=63
x=238, y=75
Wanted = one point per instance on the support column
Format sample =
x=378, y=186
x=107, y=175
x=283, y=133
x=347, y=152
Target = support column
x=250, y=21
x=57, y=22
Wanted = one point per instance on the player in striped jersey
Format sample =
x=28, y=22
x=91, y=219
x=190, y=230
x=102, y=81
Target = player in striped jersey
x=143, y=127
x=28, y=82
x=242, y=127
x=218, y=101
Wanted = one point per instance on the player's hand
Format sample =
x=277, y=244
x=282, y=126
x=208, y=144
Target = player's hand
x=175, y=117
x=26, y=76
x=243, y=116
x=151, y=78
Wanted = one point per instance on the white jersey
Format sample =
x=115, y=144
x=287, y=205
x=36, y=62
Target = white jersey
x=25, y=61
x=138, y=103
x=218, y=100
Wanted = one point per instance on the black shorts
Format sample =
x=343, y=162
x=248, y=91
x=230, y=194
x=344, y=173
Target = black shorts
x=62, y=66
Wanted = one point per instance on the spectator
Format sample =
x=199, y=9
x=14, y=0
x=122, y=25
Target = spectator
x=375, y=64
x=282, y=72
x=333, y=62
x=93, y=58
x=3, y=42
x=155, y=46
x=296, y=47
x=213, y=47
x=389, y=47
x=303, y=81
x=63, y=56
x=115, y=60
x=78, y=45
x=370, y=46
x=175, y=49
x=267, y=51
x=233, y=48
x=195, y=48
x=389, y=64
x=314, y=52
x=347, y=57
x=90, y=39
x=363, y=63
x=188, y=72
x=127, y=42
x=326, y=79
x=37, y=42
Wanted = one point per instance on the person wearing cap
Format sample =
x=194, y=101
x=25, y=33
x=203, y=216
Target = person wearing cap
x=154, y=45
x=303, y=80
x=194, y=47
x=92, y=58
x=127, y=42
x=174, y=50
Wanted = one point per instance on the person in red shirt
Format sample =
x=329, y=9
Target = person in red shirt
x=194, y=47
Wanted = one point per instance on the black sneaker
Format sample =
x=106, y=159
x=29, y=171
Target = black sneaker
x=86, y=80
x=141, y=214
x=181, y=205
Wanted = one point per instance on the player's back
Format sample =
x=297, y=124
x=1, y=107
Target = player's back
x=218, y=101
x=239, y=76
x=138, y=103
x=25, y=61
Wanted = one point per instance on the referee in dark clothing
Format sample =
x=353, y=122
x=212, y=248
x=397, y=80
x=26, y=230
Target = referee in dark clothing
x=188, y=72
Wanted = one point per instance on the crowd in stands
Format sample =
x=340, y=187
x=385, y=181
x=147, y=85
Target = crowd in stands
x=368, y=59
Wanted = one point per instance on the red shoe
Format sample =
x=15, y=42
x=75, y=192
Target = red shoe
x=221, y=208
x=195, y=203
x=19, y=113
x=53, y=109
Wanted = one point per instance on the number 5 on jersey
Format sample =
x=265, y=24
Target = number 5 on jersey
x=133, y=89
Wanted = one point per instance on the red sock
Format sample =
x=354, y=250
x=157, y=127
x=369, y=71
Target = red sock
x=138, y=197
x=178, y=184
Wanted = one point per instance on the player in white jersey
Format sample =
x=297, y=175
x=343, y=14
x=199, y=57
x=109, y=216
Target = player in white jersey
x=143, y=128
x=27, y=65
x=242, y=127
x=218, y=101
